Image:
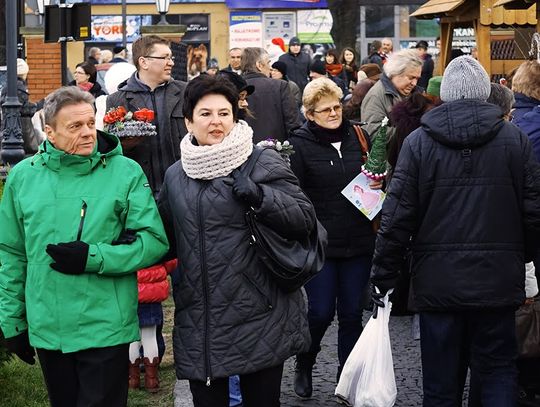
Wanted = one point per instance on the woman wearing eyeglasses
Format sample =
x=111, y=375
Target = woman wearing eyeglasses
x=327, y=157
x=85, y=78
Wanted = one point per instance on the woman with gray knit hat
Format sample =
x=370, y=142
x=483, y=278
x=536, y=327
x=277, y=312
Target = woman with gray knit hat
x=464, y=200
x=230, y=317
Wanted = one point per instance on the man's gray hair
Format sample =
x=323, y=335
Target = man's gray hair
x=401, y=61
x=501, y=96
x=250, y=57
x=93, y=51
x=60, y=98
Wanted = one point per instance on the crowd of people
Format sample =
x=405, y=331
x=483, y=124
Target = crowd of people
x=84, y=268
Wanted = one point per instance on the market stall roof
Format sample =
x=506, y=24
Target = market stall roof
x=512, y=12
x=437, y=8
x=515, y=4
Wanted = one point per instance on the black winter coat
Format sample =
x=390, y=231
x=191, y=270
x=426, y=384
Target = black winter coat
x=230, y=316
x=155, y=154
x=467, y=189
x=273, y=106
x=323, y=172
x=297, y=68
x=427, y=71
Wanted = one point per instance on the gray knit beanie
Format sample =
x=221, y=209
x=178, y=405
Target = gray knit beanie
x=465, y=78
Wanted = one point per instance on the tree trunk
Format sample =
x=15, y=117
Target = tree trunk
x=346, y=17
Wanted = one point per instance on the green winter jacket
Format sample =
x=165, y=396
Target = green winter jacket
x=42, y=203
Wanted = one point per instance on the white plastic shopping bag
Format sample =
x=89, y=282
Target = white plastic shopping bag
x=367, y=379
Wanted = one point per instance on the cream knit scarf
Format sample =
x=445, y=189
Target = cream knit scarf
x=218, y=160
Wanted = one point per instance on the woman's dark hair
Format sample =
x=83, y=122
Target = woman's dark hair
x=342, y=57
x=405, y=118
x=204, y=85
x=89, y=69
x=334, y=53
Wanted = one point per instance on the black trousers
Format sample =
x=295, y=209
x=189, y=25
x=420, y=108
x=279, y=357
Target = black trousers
x=88, y=378
x=259, y=389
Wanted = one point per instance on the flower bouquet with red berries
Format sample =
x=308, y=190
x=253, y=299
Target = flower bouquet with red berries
x=130, y=127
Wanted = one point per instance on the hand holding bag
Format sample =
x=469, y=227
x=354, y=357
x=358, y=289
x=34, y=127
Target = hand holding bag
x=367, y=378
x=291, y=263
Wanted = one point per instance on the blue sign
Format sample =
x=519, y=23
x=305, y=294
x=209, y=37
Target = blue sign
x=282, y=4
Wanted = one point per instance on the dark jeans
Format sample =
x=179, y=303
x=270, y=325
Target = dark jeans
x=88, y=378
x=259, y=389
x=341, y=281
x=483, y=339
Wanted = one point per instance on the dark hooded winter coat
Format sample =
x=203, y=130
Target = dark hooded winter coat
x=323, y=172
x=530, y=124
x=154, y=154
x=523, y=104
x=467, y=189
x=230, y=316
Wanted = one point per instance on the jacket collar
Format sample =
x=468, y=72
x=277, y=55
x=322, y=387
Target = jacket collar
x=107, y=145
x=388, y=86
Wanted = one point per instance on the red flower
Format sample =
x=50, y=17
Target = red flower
x=144, y=115
x=115, y=115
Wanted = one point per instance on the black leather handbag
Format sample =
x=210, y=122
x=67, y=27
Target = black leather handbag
x=291, y=263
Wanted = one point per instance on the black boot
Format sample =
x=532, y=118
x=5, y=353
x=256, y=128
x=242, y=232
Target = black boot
x=303, y=386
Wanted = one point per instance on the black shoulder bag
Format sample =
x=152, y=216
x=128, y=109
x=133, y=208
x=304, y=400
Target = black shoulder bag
x=291, y=263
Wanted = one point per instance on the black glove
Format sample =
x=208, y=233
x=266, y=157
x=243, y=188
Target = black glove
x=127, y=236
x=245, y=189
x=377, y=295
x=20, y=346
x=70, y=258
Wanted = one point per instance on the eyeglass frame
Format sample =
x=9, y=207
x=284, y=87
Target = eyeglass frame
x=336, y=108
x=167, y=58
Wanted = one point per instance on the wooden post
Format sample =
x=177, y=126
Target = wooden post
x=447, y=35
x=483, y=43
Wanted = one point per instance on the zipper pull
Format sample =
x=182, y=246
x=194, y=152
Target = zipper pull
x=339, y=153
x=331, y=162
x=81, y=223
x=207, y=382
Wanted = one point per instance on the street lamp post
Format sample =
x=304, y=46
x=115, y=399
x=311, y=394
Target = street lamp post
x=162, y=8
x=12, y=144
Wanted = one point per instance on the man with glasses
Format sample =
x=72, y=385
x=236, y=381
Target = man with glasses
x=152, y=87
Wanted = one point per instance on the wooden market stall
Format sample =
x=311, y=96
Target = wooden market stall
x=503, y=35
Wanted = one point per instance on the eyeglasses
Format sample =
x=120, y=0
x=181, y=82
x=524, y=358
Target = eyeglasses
x=328, y=110
x=167, y=58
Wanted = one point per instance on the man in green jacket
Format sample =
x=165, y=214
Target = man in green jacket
x=78, y=220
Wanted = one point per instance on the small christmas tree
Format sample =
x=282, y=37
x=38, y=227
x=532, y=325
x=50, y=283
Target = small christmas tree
x=375, y=167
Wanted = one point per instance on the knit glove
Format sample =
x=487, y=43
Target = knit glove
x=20, y=346
x=70, y=258
x=127, y=236
x=245, y=189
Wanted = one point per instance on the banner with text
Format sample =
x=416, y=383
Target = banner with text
x=109, y=28
x=314, y=26
x=245, y=29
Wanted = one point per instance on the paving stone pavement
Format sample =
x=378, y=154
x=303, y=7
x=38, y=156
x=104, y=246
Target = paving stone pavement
x=407, y=368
